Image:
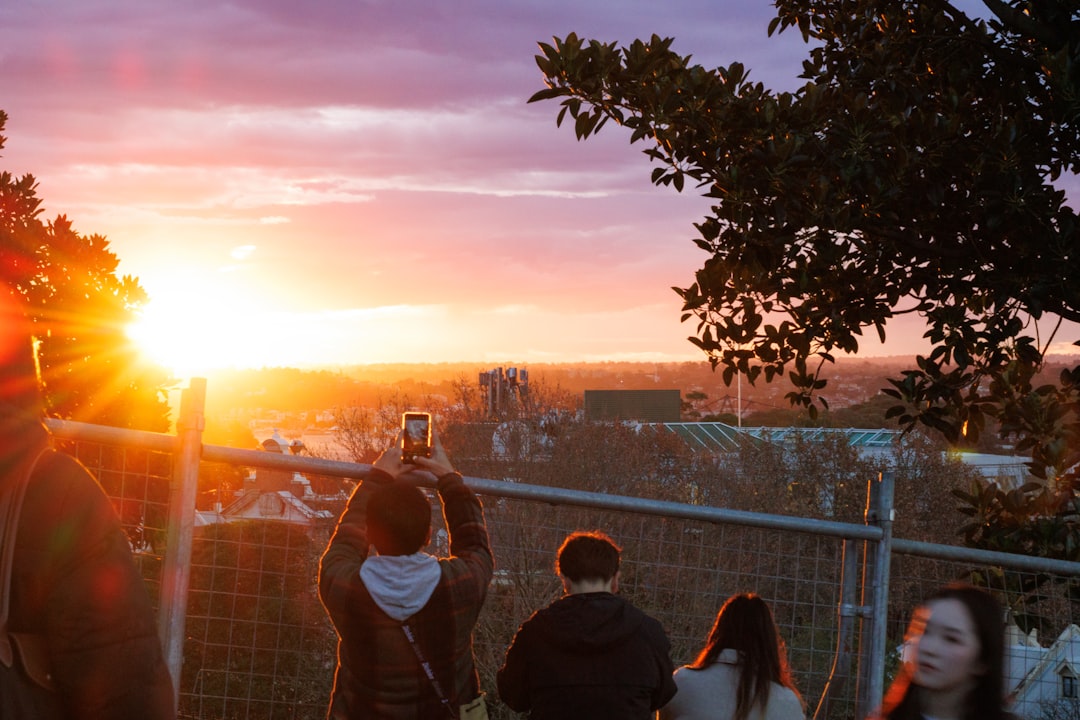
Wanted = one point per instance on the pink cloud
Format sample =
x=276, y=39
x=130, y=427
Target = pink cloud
x=393, y=146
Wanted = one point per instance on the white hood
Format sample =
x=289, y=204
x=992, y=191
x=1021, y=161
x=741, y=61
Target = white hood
x=401, y=584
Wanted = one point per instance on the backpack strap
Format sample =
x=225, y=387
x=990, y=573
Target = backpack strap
x=11, y=499
x=427, y=669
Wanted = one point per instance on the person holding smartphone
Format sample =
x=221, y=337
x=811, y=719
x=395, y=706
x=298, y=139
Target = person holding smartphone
x=404, y=617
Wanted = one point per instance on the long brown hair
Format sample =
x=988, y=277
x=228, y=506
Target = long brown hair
x=745, y=624
x=986, y=700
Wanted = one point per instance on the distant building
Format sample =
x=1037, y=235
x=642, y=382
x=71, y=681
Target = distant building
x=282, y=506
x=1009, y=471
x=270, y=494
x=503, y=389
x=717, y=437
x=648, y=406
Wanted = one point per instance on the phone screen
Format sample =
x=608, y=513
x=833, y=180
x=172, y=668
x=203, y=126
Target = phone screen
x=416, y=438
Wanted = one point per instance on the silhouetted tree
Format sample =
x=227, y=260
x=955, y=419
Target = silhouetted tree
x=915, y=171
x=81, y=310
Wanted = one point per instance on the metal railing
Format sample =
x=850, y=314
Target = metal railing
x=246, y=637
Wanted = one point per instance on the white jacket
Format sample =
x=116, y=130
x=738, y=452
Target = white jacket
x=709, y=694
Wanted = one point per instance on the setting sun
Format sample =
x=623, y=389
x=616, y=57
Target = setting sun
x=192, y=337
x=192, y=328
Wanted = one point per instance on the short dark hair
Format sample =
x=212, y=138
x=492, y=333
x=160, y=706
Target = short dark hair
x=398, y=519
x=588, y=555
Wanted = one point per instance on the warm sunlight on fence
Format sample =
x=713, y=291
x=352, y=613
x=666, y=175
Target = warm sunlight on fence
x=257, y=643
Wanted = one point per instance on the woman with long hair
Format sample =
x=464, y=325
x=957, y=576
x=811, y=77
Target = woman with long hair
x=953, y=661
x=741, y=673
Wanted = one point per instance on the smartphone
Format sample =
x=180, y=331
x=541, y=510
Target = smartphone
x=416, y=436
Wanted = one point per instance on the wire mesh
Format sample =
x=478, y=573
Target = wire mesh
x=678, y=571
x=259, y=645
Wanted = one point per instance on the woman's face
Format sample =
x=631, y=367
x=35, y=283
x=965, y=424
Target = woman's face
x=944, y=646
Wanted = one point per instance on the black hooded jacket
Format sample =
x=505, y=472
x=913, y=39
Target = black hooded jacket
x=590, y=655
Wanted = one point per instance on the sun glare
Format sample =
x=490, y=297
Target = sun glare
x=187, y=342
x=193, y=333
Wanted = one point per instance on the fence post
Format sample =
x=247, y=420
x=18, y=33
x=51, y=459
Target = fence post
x=880, y=512
x=182, y=493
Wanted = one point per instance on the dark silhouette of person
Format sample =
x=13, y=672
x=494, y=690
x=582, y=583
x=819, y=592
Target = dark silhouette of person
x=75, y=589
x=590, y=654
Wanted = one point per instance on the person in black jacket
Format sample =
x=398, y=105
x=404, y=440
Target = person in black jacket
x=74, y=582
x=590, y=654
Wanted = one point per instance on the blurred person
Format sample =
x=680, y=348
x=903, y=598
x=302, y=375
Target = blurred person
x=376, y=582
x=590, y=654
x=76, y=594
x=953, y=660
x=741, y=673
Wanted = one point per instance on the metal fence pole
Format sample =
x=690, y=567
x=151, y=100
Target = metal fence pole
x=176, y=573
x=879, y=512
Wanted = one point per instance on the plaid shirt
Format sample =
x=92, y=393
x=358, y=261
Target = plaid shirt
x=378, y=675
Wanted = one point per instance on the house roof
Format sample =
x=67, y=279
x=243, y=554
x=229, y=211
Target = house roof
x=709, y=436
x=1061, y=653
x=720, y=437
x=856, y=437
x=295, y=504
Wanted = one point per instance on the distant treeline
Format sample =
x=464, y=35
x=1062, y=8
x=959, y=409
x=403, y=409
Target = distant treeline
x=297, y=390
x=854, y=384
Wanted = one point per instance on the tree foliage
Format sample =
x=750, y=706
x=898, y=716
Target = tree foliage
x=916, y=171
x=80, y=308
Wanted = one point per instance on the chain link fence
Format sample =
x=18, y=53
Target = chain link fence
x=257, y=644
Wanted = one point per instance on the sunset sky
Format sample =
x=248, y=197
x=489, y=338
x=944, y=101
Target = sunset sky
x=354, y=181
